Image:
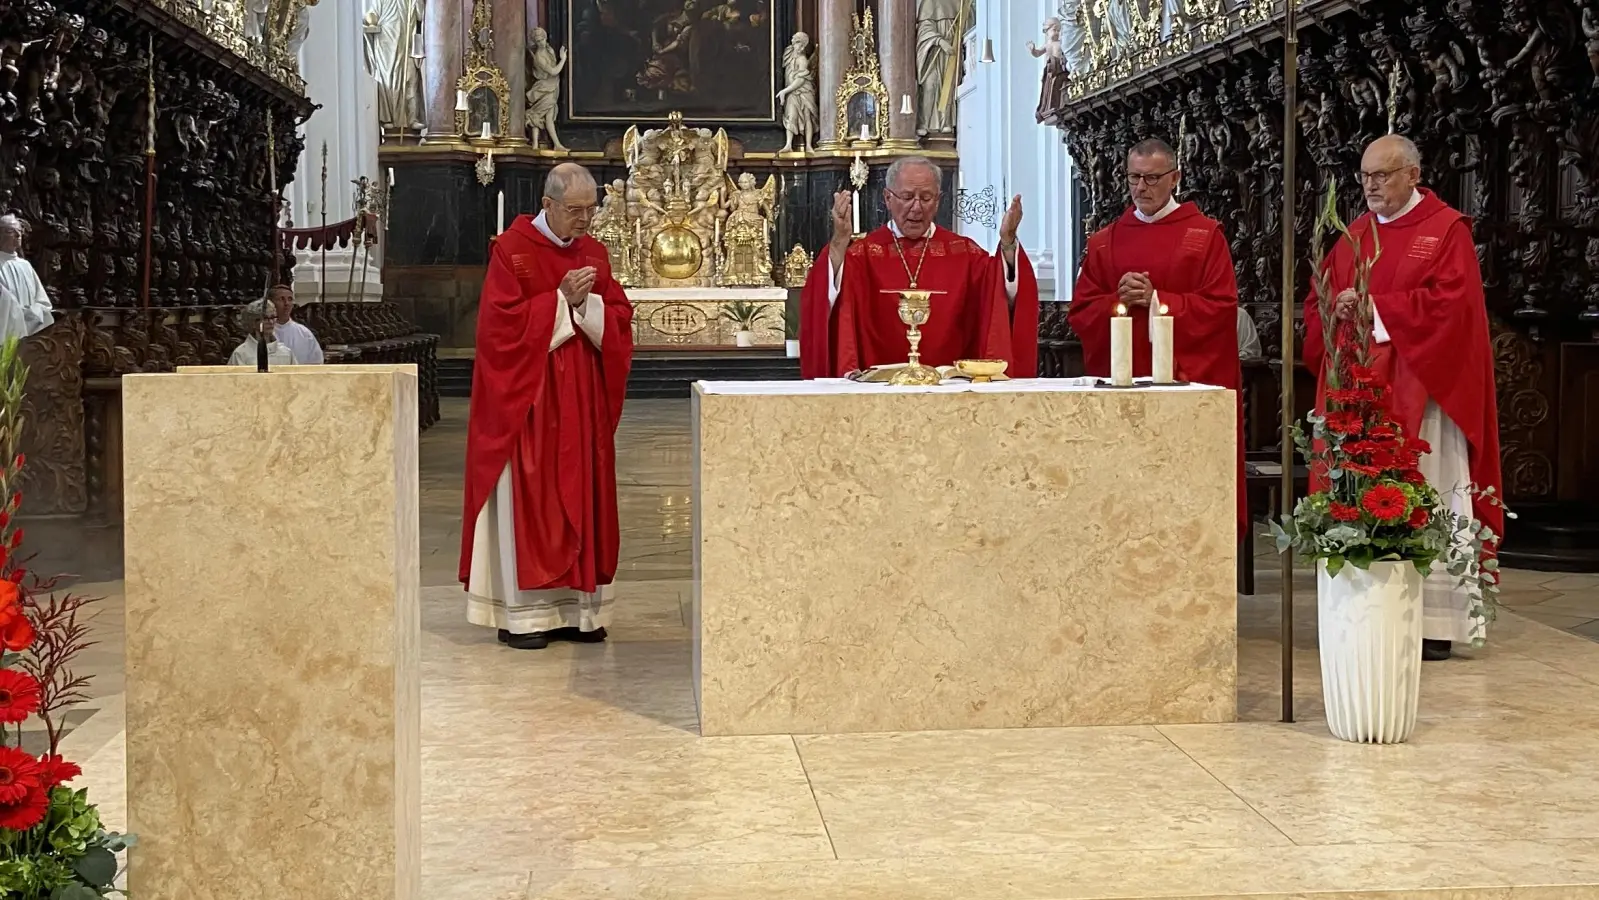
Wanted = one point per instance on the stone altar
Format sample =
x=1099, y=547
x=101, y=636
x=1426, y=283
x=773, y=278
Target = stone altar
x=695, y=317
x=1024, y=553
x=273, y=632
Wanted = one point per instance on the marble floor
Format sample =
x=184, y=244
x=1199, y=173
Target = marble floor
x=576, y=772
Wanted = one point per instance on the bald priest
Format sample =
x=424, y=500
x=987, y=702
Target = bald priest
x=984, y=307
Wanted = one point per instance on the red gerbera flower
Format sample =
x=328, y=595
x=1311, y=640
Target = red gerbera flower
x=1364, y=376
x=1362, y=469
x=1344, y=422
x=1342, y=512
x=1385, y=503
x=19, y=695
x=1383, y=430
x=19, y=773
x=55, y=770
x=1419, y=517
x=1351, y=396
x=28, y=810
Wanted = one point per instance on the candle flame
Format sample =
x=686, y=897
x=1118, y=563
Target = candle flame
x=1121, y=309
x=1165, y=310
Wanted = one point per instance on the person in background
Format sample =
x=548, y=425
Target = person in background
x=290, y=333
x=258, y=324
x=24, y=305
x=1248, y=337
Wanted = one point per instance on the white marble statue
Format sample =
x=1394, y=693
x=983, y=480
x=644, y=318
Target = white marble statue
x=544, y=67
x=302, y=30
x=798, y=96
x=255, y=20
x=389, y=33
x=1051, y=47
x=937, y=46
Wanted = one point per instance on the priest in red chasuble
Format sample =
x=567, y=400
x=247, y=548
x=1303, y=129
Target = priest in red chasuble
x=1162, y=254
x=1430, y=330
x=539, y=535
x=988, y=308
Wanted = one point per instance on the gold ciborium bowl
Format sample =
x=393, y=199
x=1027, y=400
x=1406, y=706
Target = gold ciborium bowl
x=981, y=370
x=675, y=253
x=915, y=307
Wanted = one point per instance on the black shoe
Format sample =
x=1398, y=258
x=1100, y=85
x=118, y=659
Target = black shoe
x=1435, y=651
x=577, y=636
x=504, y=636
x=533, y=641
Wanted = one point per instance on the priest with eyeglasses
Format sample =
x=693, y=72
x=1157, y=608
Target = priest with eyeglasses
x=984, y=306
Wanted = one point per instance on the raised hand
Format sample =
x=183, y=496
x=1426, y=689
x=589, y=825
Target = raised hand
x=843, y=217
x=576, y=285
x=1011, y=221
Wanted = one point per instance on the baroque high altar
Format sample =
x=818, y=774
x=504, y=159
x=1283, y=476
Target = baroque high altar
x=679, y=220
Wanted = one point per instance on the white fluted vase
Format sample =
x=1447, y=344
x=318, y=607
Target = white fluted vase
x=1369, y=624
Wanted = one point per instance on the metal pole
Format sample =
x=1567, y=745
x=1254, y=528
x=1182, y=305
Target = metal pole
x=1290, y=188
x=322, y=273
x=149, y=181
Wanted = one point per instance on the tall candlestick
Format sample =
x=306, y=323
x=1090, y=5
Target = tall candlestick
x=1160, y=339
x=855, y=210
x=1121, y=348
x=499, y=215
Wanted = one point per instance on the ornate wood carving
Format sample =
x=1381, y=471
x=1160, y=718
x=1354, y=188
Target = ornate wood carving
x=1502, y=98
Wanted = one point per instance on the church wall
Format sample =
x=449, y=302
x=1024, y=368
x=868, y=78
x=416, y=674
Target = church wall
x=72, y=164
x=1503, y=100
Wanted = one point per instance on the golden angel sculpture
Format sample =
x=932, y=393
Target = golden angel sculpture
x=747, y=239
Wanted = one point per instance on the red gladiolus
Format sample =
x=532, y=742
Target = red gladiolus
x=19, y=773
x=1364, y=376
x=1342, y=512
x=1351, y=396
x=16, y=500
x=19, y=696
x=17, y=574
x=1413, y=476
x=16, y=539
x=1344, y=422
x=1383, y=430
x=1385, y=503
x=21, y=458
x=5, y=518
x=1419, y=517
x=1362, y=469
x=17, y=635
x=54, y=770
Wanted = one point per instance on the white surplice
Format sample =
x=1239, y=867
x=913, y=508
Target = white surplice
x=24, y=305
x=277, y=354
x=1446, y=606
x=301, y=340
x=493, y=599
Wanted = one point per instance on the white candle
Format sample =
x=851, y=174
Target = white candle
x=486, y=132
x=855, y=210
x=865, y=135
x=499, y=216
x=460, y=101
x=391, y=176
x=1121, y=348
x=1160, y=338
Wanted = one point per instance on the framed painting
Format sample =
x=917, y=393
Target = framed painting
x=640, y=60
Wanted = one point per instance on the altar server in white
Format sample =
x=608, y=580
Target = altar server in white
x=24, y=304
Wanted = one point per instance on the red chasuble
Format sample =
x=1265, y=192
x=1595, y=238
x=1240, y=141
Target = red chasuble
x=1427, y=288
x=550, y=415
x=1191, y=267
x=972, y=319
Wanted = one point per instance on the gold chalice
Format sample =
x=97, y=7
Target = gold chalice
x=981, y=370
x=915, y=308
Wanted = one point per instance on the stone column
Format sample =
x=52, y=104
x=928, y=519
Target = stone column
x=441, y=37
x=535, y=15
x=510, y=54
x=834, y=22
x=896, y=51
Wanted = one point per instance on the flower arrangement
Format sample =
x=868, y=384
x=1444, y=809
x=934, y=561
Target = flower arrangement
x=1370, y=501
x=52, y=845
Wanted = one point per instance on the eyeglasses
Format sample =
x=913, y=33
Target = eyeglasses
x=913, y=197
x=1378, y=179
x=1151, y=180
x=579, y=212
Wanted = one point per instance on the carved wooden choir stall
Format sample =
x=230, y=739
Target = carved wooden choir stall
x=1503, y=100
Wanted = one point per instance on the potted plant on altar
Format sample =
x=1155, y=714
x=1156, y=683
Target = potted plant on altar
x=52, y=846
x=791, y=329
x=1374, y=526
x=745, y=316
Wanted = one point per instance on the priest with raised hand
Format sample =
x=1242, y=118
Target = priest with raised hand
x=1430, y=340
x=1163, y=257
x=984, y=306
x=539, y=536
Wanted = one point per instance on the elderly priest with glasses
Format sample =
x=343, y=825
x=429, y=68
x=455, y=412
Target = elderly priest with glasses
x=1163, y=256
x=983, y=307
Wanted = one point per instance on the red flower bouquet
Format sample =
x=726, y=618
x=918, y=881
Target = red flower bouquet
x=1369, y=501
x=52, y=846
